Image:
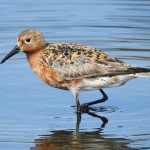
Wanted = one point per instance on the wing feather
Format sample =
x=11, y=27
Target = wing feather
x=72, y=61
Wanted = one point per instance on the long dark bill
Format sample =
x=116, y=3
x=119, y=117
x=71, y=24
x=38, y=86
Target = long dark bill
x=13, y=52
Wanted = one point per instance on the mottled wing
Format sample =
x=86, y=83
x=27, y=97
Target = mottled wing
x=72, y=61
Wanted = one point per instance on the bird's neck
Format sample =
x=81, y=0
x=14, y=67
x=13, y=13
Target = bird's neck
x=33, y=59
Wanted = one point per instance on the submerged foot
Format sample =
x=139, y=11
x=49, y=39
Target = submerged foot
x=85, y=108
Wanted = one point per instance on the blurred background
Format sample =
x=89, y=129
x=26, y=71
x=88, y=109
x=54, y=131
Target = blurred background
x=38, y=117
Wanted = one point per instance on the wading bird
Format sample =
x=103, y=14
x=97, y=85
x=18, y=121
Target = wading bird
x=74, y=67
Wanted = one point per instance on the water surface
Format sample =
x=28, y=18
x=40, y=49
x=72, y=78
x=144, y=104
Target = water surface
x=38, y=117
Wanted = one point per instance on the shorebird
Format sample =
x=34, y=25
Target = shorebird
x=74, y=67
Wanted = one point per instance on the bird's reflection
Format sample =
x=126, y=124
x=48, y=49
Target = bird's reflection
x=92, y=111
x=68, y=140
x=75, y=140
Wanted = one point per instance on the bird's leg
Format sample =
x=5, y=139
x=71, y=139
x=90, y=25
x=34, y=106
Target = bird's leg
x=104, y=119
x=76, y=96
x=78, y=105
x=104, y=98
x=78, y=121
x=85, y=107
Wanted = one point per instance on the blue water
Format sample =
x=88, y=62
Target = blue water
x=38, y=117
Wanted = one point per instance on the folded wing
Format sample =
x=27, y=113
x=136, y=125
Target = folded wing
x=72, y=61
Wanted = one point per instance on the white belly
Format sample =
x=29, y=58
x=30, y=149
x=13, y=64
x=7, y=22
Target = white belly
x=104, y=82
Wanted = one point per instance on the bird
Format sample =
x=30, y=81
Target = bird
x=74, y=67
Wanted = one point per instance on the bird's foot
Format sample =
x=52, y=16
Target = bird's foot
x=84, y=108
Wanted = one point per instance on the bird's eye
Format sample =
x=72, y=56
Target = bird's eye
x=27, y=40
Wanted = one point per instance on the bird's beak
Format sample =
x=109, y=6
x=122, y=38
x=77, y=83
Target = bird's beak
x=10, y=54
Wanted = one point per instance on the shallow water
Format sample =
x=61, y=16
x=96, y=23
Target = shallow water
x=35, y=116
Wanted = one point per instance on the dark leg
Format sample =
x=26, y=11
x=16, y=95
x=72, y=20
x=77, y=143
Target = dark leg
x=104, y=119
x=78, y=121
x=85, y=107
x=76, y=96
x=104, y=98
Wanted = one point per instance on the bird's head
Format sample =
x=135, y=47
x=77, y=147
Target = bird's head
x=28, y=41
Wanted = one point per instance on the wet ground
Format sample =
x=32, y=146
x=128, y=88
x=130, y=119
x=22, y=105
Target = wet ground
x=34, y=116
